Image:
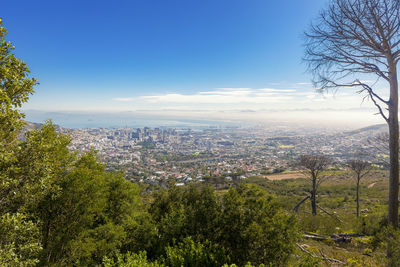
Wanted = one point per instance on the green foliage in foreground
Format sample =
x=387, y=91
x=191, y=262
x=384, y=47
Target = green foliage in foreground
x=19, y=243
x=81, y=212
x=196, y=254
x=247, y=223
x=129, y=260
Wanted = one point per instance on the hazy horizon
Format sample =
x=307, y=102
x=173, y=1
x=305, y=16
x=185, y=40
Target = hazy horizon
x=328, y=118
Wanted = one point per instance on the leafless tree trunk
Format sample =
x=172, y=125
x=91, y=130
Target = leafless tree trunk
x=314, y=165
x=393, y=122
x=360, y=38
x=358, y=196
x=360, y=168
x=314, y=195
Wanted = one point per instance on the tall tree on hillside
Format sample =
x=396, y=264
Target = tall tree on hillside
x=314, y=165
x=19, y=235
x=15, y=87
x=360, y=168
x=353, y=40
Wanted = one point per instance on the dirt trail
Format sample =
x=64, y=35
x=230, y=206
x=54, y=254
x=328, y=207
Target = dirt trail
x=284, y=176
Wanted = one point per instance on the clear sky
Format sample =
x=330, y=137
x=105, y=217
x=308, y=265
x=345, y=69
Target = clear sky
x=184, y=55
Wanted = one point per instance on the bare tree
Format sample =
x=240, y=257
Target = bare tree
x=380, y=144
x=357, y=39
x=360, y=168
x=314, y=165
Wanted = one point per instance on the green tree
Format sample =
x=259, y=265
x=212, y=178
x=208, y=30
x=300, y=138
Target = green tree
x=15, y=88
x=247, y=223
x=254, y=228
x=19, y=242
x=39, y=161
x=87, y=214
x=119, y=224
x=19, y=239
x=182, y=212
x=70, y=209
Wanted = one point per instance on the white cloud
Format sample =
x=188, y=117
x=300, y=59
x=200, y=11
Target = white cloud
x=277, y=90
x=241, y=99
x=215, y=98
x=304, y=83
x=219, y=95
x=244, y=91
x=124, y=99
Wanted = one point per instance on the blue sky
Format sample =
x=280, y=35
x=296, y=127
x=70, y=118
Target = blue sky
x=167, y=54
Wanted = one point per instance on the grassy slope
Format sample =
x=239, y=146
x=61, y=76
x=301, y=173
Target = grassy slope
x=337, y=195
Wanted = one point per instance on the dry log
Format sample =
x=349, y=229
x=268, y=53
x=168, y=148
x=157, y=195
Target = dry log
x=317, y=238
x=314, y=234
x=333, y=215
x=353, y=235
x=322, y=257
x=340, y=239
x=296, y=208
x=335, y=238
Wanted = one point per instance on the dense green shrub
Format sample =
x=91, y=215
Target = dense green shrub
x=246, y=222
x=130, y=260
x=195, y=254
x=19, y=242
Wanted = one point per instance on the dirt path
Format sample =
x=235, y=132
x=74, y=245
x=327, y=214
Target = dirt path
x=284, y=176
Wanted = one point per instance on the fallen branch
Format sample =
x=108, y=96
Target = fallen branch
x=330, y=214
x=341, y=239
x=336, y=238
x=353, y=235
x=316, y=238
x=314, y=234
x=296, y=208
x=322, y=257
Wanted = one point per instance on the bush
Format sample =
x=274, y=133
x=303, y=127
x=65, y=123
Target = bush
x=249, y=224
x=195, y=254
x=130, y=260
x=389, y=239
x=319, y=223
x=19, y=244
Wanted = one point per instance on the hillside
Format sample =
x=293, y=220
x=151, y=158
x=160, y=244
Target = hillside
x=369, y=130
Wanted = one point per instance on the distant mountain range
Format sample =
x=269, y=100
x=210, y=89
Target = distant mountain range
x=29, y=126
x=370, y=130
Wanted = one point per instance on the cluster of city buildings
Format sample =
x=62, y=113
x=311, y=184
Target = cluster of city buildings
x=217, y=155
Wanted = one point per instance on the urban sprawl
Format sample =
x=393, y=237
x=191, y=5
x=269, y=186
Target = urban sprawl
x=156, y=156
